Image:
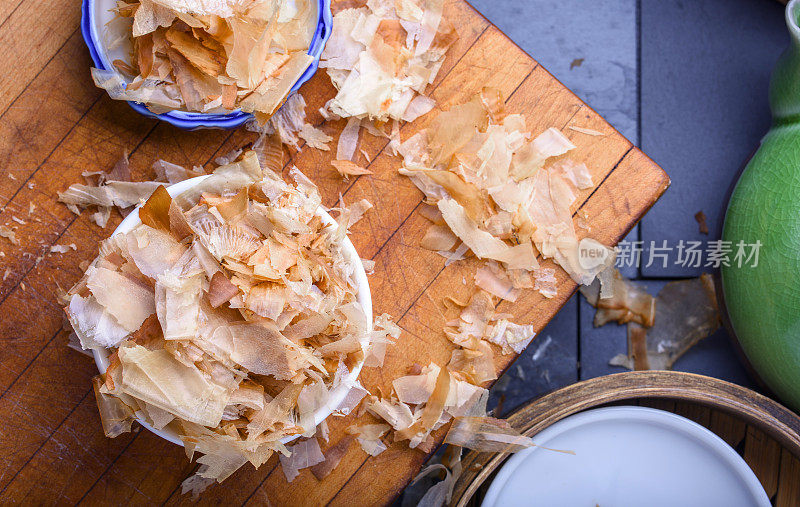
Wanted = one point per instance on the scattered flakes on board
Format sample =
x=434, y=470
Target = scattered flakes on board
x=380, y=58
x=496, y=191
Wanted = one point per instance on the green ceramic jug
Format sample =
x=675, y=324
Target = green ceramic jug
x=763, y=300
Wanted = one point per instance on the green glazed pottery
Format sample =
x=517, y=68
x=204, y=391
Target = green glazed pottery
x=763, y=299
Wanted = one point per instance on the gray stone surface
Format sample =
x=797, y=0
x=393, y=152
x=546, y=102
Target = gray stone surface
x=598, y=345
x=705, y=67
x=600, y=32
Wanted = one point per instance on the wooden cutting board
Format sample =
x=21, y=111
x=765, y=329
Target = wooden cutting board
x=55, y=125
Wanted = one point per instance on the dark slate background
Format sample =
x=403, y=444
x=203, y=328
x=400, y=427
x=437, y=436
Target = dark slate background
x=687, y=82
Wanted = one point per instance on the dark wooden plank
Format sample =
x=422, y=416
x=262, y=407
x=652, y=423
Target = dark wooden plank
x=789, y=481
x=763, y=454
x=729, y=428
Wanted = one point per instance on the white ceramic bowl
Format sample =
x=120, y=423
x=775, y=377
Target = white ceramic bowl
x=339, y=392
x=626, y=456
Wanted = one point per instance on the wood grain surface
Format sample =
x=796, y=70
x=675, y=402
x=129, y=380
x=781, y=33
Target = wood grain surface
x=766, y=433
x=55, y=124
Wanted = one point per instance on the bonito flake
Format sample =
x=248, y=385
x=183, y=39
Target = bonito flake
x=383, y=55
x=229, y=315
x=210, y=56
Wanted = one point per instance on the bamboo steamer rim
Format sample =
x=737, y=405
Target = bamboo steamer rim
x=771, y=417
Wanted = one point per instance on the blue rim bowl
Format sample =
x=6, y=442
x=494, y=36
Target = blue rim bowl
x=192, y=121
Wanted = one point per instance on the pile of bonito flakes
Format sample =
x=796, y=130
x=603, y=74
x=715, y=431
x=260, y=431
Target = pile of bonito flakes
x=232, y=313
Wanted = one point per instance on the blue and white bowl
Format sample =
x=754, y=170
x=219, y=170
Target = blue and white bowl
x=95, y=15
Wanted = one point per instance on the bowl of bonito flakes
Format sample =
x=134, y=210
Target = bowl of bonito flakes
x=205, y=64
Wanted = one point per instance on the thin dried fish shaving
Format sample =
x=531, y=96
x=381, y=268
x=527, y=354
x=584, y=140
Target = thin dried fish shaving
x=686, y=311
x=96, y=328
x=8, y=233
x=350, y=215
x=304, y=454
x=545, y=282
x=174, y=173
x=333, y=455
x=479, y=322
x=154, y=376
x=628, y=302
x=369, y=437
x=585, y=130
x=385, y=333
x=416, y=389
x=418, y=432
x=353, y=399
x=289, y=125
x=394, y=412
x=115, y=416
x=348, y=140
x=126, y=299
x=440, y=493
x=275, y=412
x=476, y=365
x=314, y=137
x=103, y=193
x=486, y=434
x=482, y=244
x=467, y=399
x=493, y=279
x=346, y=168
x=511, y=337
x=438, y=238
